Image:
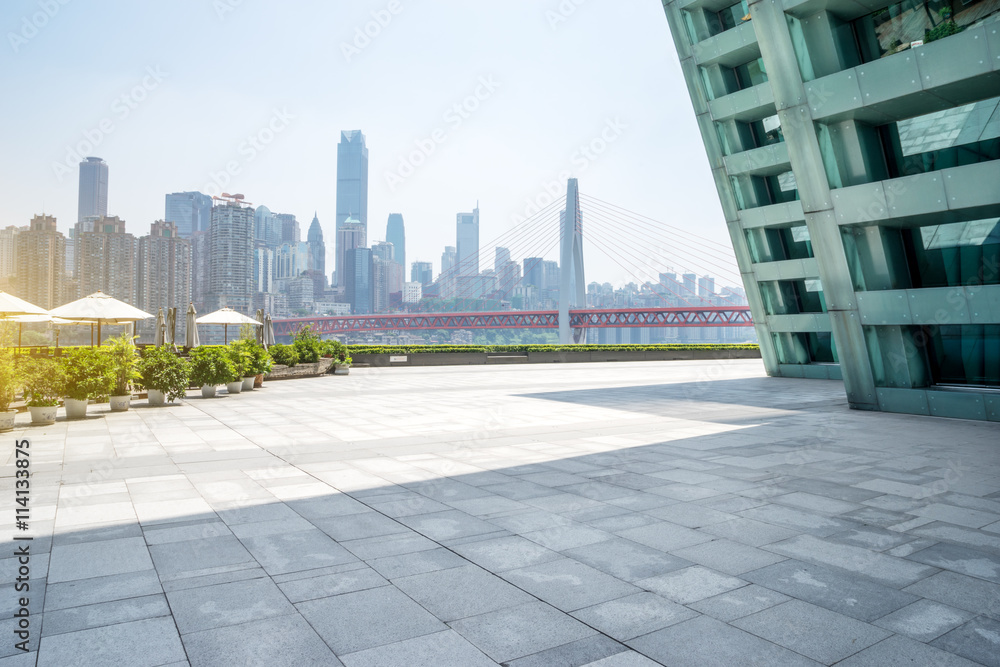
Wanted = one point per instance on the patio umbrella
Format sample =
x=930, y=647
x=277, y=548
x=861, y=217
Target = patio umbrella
x=260, y=330
x=11, y=305
x=161, y=327
x=191, y=331
x=225, y=317
x=100, y=308
x=170, y=335
x=268, y=331
x=35, y=319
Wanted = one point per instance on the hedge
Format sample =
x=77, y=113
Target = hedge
x=495, y=349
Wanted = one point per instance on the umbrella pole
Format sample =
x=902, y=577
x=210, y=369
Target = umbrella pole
x=98, y=333
x=226, y=335
x=20, y=327
x=91, y=335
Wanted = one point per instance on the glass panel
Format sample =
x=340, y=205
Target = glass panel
x=960, y=253
x=907, y=24
x=966, y=354
x=804, y=347
x=800, y=48
x=828, y=155
x=782, y=188
x=732, y=16
x=750, y=74
x=766, y=131
x=791, y=297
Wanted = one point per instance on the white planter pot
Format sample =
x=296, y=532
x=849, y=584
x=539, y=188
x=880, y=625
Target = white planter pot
x=75, y=409
x=43, y=414
x=234, y=387
x=208, y=391
x=156, y=397
x=248, y=383
x=120, y=403
x=341, y=370
x=7, y=420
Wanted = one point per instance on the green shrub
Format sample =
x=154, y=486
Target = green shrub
x=88, y=373
x=942, y=30
x=441, y=349
x=239, y=353
x=335, y=349
x=260, y=359
x=124, y=359
x=43, y=381
x=285, y=355
x=10, y=379
x=211, y=366
x=308, y=345
x=164, y=371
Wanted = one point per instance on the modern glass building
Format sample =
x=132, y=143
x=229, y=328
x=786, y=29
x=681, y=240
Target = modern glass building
x=190, y=211
x=855, y=151
x=93, y=194
x=467, y=242
x=352, y=189
x=395, y=233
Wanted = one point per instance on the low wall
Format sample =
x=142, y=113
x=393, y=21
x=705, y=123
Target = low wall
x=280, y=372
x=542, y=357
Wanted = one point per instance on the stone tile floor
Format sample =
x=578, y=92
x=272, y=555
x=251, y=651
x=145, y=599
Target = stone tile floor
x=681, y=513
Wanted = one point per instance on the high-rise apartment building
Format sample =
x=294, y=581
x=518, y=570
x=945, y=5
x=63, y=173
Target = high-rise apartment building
x=265, y=227
x=856, y=154
x=163, y=271
x=289, y=227
x=104, y=258
x=395, y=233
x=350, y=235
x=230, y=257
x=8, y=255
x=93, y=194
x=41, y=262
x=501, y=257
x=448, y=259
x=190, y=211
x=467, y=242
x=413, y=291
x=422, y=272
x=534, y=272
x=352, y=190
x=317, y=247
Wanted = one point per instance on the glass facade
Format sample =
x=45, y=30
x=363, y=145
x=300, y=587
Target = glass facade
x=775, y=244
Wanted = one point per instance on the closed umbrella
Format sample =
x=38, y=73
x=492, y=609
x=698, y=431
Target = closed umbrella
x=191, y=333
x=161, y=328
x=225, y=317
x=100, y=308
x=170, y=334
x=268, y=331
x=259, y=331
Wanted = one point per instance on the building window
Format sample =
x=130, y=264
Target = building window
x=750, y=74
x=779, y=244
x=804, y=347
x=964, y=354
x=731, y=16
x=764, y=132
x=754, y=191
x=956, y=254
x=951, y=138
x=792, y=297
x=909, y=24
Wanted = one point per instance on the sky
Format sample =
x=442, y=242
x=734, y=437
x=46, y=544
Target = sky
x=460, y=102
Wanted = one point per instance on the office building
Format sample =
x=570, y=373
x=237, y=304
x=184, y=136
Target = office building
x=706, y=287
x=163, y=271
x=266, y=227
x=93, y=194
x=350, y=235
x=395, y=233
x=422, y=272
x=289, y=228
x=501, y=257
x=358, y=272
x=317, y=249
x=413, y=291
x=190, y=211
x=200, y=263
x=263, y=268
x=855, y=153
x=534, y=273
x=41, y=262
x=467, y=242
x=104, y=258
x=352, y=190
x=230, y=257
x=291, y=260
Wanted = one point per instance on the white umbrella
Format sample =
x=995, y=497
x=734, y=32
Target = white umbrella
x=161, y=327
x=227, y=316
x=100, y=308
x=170, y=335
x=11, y=305
x=36, y=319
x=268, y=331
x=191, y=331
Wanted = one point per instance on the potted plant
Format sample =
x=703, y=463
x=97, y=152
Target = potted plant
x=10, y=384
x=43, y=380
x=308, y=345
x=210, y=367
x=164, y=375
x=124, y=361
x=87, y=375
x=342, y=366
x=261, y=365
x=240, y=351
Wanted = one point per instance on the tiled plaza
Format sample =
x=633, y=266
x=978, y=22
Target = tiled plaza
x=611, y=515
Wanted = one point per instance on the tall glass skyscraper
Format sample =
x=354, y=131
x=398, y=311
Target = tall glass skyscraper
x=856, y=152
x=93, y=195
x=467, y=243
x=190, y=211
x=352, y=188
x=395, y=233
x=317, y=247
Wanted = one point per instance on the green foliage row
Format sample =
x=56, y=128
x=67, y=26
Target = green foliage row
x=493, y=349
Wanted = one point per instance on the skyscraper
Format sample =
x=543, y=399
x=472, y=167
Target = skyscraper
x=265, y=227
x=448, y=259
x=352, y=188
x=422, y=272
x=93, y=195
x=190, y=211
x=317, y=248
x=289, y=227
x=395, y=233
x=857, y=166
x=350, y=235
x=501, y=257
x=467, y=242
x=41, y=263
x=230, y=261
x=163, y=271
x=105, y=258
x=359, y=271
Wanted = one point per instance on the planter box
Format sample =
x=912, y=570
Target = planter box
x=279, y=372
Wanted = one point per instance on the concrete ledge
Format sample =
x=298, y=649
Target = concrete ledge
x=543, y=357
x=279, y=372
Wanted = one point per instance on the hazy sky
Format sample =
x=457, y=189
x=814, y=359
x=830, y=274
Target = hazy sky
x=171, y=93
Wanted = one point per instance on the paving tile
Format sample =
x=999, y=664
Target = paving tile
x=460, y=592
x=389, y=545
x=924, y=620
x=507, y=634
x=691, y=584
x=624, y=659
x=149, y=642
x=797, y=520
x=441, y=649
x=959, y=559
x=506, y=553
x=82, y=592
x=902, y=652
x=884, y=569
x=633, y=615
x=328, y=585
x=234, y=603
x=419, y=562
x=177, y=559
x=286, y=640
x=871, y=537
x=105, y=613
x=365, y=619
x=739, y=603
x=98, y=559
x=728, y=557
x=690, y=515
x=961, y=516
x=978, y=640
x=685, y=645
x=580, y=652
x=560, y=538
x=665, y=536
x=447, y=525
x=960, y=591
x=832, y=589
x=295, y=551
x=976, y=539
x=627, y=560
x=812, y=631
x=816, y=503
x=749, y=531
x=568, y=584
x=358, y=526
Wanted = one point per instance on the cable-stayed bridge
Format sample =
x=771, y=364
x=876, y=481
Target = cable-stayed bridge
x=640, y=246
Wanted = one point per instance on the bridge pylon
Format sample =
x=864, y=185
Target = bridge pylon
x=572, y=285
